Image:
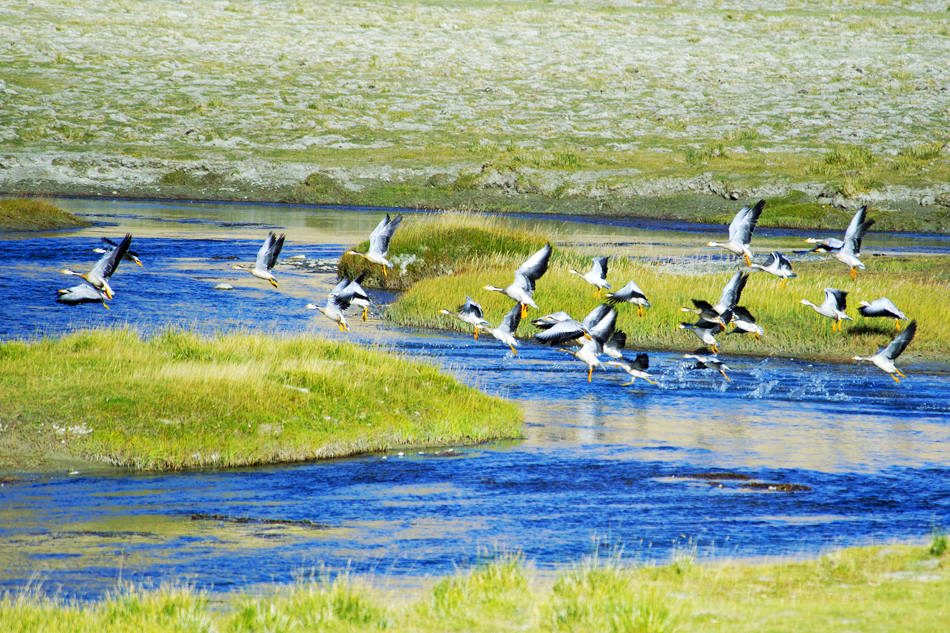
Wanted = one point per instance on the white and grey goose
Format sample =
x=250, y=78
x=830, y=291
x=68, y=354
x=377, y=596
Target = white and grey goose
x=832, y=307
x=505, y=332
x=130, y=255
x=596, y=276
x=637, y=368
x=357, y=294
x=83, y=293
x=740, y=231
x=731, y=293
x=848, y=250
x=706, y=331
x=103, y=269
x=266, y=258
x=559, y=328
x=522, y=288
x=744, y=323
x=470, y=312
x=338, y=301
x=379, y=242
x=883, y=307
x=589, y=353
x=632, y=294
x=885, y=357
x=706, y=361
x=777, y=265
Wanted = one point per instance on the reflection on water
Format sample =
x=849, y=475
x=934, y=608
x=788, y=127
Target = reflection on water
x=786, y=459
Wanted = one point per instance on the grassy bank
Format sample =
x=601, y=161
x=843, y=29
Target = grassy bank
x=863, y=589
x=180, y=401
x=485, y=105
x=27, y=214
x=919, y=284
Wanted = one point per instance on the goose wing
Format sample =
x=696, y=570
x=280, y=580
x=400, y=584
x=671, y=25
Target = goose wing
x=605, y=327
x=340, y=285
x=112, y=244
x=835, y=299
x=510, y=321
x=382, y=234
x=856, y=229
x=629, y=291
x=110, y=261
x=742, y=314
x=742, y=226
x=340, y=302
x=470, y=307
x=536, y=265
x=897, y=346
x=561, y=332
x=733, y=290
x=599, y=267
x=882, y=307
x=595, y=315
x=641, y=362
x=267, y=254
x=548, y=320
x=618, y=339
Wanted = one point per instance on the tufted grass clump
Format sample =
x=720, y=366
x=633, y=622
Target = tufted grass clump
x=895, y=588
x=31, y=214
x=182, y=401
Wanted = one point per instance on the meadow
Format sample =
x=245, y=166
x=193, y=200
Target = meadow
x=918, y=283
x=180, y=401
x=896, y=588
x=592, y=107
x=29, y=214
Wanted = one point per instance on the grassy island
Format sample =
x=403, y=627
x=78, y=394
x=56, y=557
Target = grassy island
x=492, y=253
x=27, y=214
x=180, y=401
x=900, y=588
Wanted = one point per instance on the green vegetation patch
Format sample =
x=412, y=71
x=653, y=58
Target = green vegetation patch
x=900, y=588
x=180, y=401
x=917, y=284
x=28, y=214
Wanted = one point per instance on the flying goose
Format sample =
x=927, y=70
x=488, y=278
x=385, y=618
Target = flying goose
x=706, y=331
x=354, y=294
x=630, y=293
x=567, y=329
x=130, y=255
x=266, y=258
x=636, y=369
x=333, y=310
x=705, y=361
x=832, y=307
x=522, y=288
x=379, y=242
x=777, y=265
x=740, y=231
x=883, y=307
x=98, y=277
x=848, y=250
x=505, y=332
x=886, y=356
x=731, y=293
x=596, y=276
x=83, y=293
x=589, y=352
x=470, y=312
x=745, y=323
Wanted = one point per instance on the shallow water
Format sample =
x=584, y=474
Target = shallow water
x=787, y=459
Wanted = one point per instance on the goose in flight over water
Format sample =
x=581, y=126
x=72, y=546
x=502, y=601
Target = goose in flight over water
x=505, y=332
x=632, y=294
x=130, y=255
x=596, y=276
x=353, y=293
x=266, y=258
x=560, y=328
x=98, y=277
x=706, y=331
x=744, y=323
x=885, y=357
x=379, y=242
x=522, y=288
x=333, y=310
x=83, y=293
x=777, y=265
x=832, y=307
x=883, y=307
x=731, y=293
x=705, y=361
x=470, y=312
x=740, y=231
x=590, y=351
x=848, y=250
x=636, y=369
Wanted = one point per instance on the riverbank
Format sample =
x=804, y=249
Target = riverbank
x=896, y=588
x=27, y=214
x=589, y=108
x=180, y=401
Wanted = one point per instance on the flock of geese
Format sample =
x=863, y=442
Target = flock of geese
x=596, y=335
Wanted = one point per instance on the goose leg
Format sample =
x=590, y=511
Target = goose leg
x=627, y=384
x=899, y=373
x=897, y=324
x=364, y=314
x=590, y=372
x=854, y=274
x=524, y=309
x=476, y=334
x=896, y=379
x=652, y=382
x=513, y=350
x=725, y=376
x=781, y=284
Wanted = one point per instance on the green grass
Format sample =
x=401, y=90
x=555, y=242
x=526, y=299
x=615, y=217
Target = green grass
x=898, y=588
x=28, y=214
x=180, y=401
x=919, y=284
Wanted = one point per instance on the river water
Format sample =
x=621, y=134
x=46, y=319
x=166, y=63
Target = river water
x=789, y=458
